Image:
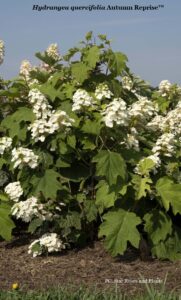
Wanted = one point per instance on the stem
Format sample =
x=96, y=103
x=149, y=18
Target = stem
x=103, y=144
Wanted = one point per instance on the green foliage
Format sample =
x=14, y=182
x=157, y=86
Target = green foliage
x=117, y=63
x=119, y=227
x=90, y=210
x=104, y=197
x=80, y=71
x=169, y=248
x=110, y=165
x=158, y=225
x=145, y=166
x=16, y=123
x=97, y=170
x=170, y=194
x=6, y=224
x=92, y=56
x=34, y=224
x=141, y=185
x=47, y=184
x=49, y=90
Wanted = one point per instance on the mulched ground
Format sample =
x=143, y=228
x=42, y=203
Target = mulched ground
x=89, y=266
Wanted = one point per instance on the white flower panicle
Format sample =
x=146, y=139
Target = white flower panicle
x=59, y=119
x=164, y=87
x=2, y=51
x=178, y=106
x=156, y=123
x=165, y=145
x=25, y=210
x=24, y=156
x=171, y=122
x=47, y=120
x=41, y=107
x=102, y=91
x=41, y=128
x=116, y=112
x=42, y=110
x=30, y=208
x=5, y=143
x=53, y=52
x=143, y=109
x=46, y=68
x=49, y=242
x=127, y=83
x=14, y=190
x=131, y=140
x=25, y=69
x=81, y=99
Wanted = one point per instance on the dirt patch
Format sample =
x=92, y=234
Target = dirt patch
x=89, y=266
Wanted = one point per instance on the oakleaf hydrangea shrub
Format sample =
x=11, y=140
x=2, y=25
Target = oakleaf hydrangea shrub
x=89, y=150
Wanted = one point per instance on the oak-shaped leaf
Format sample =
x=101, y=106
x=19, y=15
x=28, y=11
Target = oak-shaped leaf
x=111, y=165
x=170, y=194
x=48, y=184
x=120, y=227
x=158, y=225
x=6, y=223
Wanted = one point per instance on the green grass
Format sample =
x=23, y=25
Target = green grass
x=83, y=293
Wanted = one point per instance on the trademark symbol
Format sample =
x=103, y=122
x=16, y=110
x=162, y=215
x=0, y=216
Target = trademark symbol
x=161, y=6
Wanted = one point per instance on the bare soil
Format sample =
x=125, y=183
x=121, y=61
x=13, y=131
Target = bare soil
x=89, y=266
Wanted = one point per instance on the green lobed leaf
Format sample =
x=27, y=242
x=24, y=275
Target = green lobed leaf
x=23, y=114
x=48, y=184
x=14, y=122
x=117, y=63
x=92, y=127
x=45, y=58
x=104, y=197
x=45, y=158
x=170, y=248
x=119, y=227
x=170, y=194
x=34, y=224
x=72, y=219
x=49, y=90
x=71, y=141
x=162, y=103
x=158, y=225
x=88, y=144
x=90, y=210
x=92, y=56
x=60, y=163
x=56, y=78
x=110, y=165
x=6, y=224
x=141, y=185
x=40, y=75
x=80, y=71
x=145, y=166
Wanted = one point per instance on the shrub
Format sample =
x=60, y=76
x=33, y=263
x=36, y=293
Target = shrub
x=86, y=149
